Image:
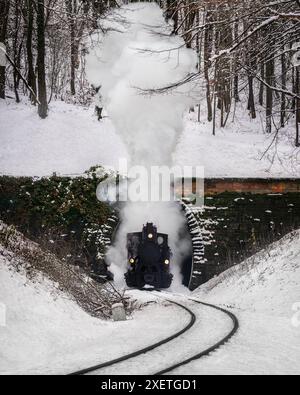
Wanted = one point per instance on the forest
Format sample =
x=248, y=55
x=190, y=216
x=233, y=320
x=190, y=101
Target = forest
x=244, y=47
x=149, y=178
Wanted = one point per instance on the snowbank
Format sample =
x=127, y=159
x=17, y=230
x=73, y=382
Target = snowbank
x=264, y=292
x=47, y=333
x=71, y=140
x=268, y=281
x=240, y=150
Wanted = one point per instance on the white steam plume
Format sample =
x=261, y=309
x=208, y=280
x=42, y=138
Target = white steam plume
x=136, y=54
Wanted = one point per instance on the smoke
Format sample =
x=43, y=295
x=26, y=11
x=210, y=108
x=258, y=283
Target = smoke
x=134, y=55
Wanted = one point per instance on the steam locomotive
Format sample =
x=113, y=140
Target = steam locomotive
x=149, y=258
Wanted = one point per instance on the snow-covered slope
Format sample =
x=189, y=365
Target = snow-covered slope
x=45, y=332
x=241, y=149
x=71, y=140
x=264, y=292
x=269, y=281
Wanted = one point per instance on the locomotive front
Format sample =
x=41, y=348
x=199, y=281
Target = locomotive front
x=149, y=258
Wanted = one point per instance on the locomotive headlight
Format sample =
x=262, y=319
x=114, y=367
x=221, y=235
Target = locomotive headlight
x=150, y=236
x=167, y=261
x=131, y=260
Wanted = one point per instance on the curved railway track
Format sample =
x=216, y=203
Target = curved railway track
x=206, y=352
x=186, y=361
x=143, y=350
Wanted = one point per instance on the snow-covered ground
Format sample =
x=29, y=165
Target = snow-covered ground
x=47, y=333
x=71, y=140
x=264, y=292
x=44, y=332
x=241, y=149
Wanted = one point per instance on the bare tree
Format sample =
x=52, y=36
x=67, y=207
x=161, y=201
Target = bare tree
x=29, y=26
x=4, y=12
x=297, y=71
x=42, y=89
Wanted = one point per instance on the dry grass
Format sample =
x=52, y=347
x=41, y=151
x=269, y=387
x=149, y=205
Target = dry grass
x=96, y=299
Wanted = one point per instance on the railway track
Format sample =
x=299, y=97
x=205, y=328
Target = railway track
x=196, y=356
x=143, y=350
x=207, y=351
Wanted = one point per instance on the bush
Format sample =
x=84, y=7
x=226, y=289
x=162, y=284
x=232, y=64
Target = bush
x=27, y=257
x=63, y=214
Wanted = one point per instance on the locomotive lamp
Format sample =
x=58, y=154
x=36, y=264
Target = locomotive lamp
x=167, y=261
x=150, y=236
x=131, y=261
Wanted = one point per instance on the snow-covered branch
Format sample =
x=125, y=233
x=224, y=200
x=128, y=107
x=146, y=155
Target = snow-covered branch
x=20, y=74
x=228, y=51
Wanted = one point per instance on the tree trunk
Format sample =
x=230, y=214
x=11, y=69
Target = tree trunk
x=251, y=62
x=293, y=104
x=192, y=13
x=31, y=74
x=269, y=96
x=42, y=95
x=16, y=48
x=73, y=65
x=71, y=21
x=4, y=9
x=214, y=114
x=297, y=142
x=236, y=88
x=98, y=8
x=283, y=83
x=224, y=40
x=262, y=86
x=207, y=54
x=251, y=102
x=76, y=27
x=236, y=76
x=172, y=13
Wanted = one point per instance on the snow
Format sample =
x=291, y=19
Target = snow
x=47, y=333
x=264, y=293
x=238, y=149
x=44, y=331
x=71, y=140
x=209, y=328
x=145, y=57
x=247, y=36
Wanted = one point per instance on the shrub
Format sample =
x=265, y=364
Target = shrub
x=63, y=214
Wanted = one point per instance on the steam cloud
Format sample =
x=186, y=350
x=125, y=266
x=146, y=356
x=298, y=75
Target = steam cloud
x=131, y=54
